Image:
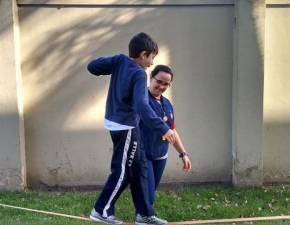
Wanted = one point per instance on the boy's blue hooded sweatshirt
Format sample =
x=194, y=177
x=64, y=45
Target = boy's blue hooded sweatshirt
x=127, y=99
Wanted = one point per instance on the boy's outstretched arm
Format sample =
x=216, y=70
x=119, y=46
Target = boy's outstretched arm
x=100, y=66
x=146, y=113
x=170, y=136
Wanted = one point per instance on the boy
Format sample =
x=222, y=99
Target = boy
x=127, y=102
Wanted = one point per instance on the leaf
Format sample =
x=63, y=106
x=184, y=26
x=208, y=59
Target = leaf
x=206, y=207
x=199, y=206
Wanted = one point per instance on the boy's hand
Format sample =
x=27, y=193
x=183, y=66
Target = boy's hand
x=170, y=136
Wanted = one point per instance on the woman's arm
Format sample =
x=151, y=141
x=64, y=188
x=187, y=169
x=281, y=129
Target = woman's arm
x=180, y=149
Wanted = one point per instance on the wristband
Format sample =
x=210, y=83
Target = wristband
x=181, y=155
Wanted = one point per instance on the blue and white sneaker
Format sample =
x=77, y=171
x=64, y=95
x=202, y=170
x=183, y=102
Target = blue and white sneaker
x=95, y=216
x=149, y=220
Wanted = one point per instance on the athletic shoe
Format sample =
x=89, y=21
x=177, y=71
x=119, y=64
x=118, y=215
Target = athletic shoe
x=149, y=220
x=95, y=216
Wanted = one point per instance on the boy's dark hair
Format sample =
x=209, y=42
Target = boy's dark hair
x=142, y=42
x=162, y=68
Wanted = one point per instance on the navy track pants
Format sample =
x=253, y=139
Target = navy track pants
x=128, y=166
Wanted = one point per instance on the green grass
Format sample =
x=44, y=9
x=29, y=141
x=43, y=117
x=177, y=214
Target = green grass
x=184, y=204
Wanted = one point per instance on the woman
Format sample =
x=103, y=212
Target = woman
x=155, y=145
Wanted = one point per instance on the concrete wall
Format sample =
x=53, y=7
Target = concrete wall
x=216, y=49
x=276, y=129
x=12, y=144
x=248, y=78
x=66, y=143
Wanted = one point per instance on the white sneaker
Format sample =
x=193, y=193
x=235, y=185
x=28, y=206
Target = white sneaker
x=95, y=216
x=149, y=220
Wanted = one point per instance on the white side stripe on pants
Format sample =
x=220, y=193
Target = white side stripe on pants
x=125, y=152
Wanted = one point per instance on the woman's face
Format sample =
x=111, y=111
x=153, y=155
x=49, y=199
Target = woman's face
x=159, y=83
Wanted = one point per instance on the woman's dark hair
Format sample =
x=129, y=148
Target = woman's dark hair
x=162, y=68
x=142, y=42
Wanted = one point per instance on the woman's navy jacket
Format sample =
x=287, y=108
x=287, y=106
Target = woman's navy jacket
x=154, y=146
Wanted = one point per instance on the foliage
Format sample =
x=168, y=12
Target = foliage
x=184, y=204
